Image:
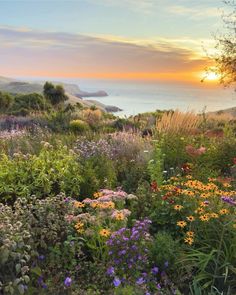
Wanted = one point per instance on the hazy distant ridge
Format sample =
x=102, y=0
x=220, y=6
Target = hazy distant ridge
x=73, y=91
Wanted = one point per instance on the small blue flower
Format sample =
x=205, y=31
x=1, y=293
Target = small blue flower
x=110, y=271
x=155, y=270
x=116, y=282
x=41, y=257
x=140, y=281
x=166, y=264
x=67, y=281
x=158, y=286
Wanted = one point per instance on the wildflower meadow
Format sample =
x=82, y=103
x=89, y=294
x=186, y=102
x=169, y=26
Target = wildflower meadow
x=93, y=208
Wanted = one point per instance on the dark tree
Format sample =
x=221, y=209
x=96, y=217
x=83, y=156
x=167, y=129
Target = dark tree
x=54, y=94
x=6, y=101
x=225, y=59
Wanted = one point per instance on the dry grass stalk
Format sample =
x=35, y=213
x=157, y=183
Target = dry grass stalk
x=178, y=122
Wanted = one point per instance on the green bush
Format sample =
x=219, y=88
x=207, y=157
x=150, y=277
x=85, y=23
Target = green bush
x=52, y=171
x=6, y=101
x=98, y=172
x=15, y=251
x=78, y=126
x=164, y=249
x=36, y=245
x=25, y=103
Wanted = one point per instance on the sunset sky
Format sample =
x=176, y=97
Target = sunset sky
x=163, y=39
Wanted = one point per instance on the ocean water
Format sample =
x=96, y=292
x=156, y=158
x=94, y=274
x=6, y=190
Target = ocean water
x=135, y=97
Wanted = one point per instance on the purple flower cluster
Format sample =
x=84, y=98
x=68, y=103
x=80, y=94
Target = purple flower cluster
x=87, y=149
x=128, y=251
x=228, y=200
x=42, y=283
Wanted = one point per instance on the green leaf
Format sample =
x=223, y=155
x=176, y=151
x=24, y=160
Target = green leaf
x=36, y=270
x=18, y=268
x=21, y=289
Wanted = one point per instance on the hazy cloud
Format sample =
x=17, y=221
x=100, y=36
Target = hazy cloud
x=194, y=12
x=36, y=52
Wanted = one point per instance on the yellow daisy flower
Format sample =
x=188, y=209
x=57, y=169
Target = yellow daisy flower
x=188, y=240
x=178, y=207
x=79, y=226
x=78, y=204
x=119, y=216
x=190, y=234
x=190, y=218
x=204, y=217
x=224, y=211
x=181, y=223
x=105, y=232
x=199, y=210
x=97, y=195
x=214, y=215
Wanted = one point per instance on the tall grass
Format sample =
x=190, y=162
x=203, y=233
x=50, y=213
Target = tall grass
x=178, y=122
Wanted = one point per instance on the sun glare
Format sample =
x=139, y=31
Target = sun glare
x=212, y=76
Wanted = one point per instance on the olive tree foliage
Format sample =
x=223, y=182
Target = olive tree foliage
x=54, y=94
x=225, y=58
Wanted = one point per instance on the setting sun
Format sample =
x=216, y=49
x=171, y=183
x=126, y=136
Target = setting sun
x=212, y=76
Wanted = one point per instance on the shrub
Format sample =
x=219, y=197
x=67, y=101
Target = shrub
x=58, y=121
x=92, y=117
x=15, y=251
x=78, y=126
x=52, y=171
x=6, y=101
x=164, y=248
x=27, y=103
x=131, y=154
x=36, y=246
x=97, y=172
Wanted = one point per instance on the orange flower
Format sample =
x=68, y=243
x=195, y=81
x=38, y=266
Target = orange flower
x=204, y=217
x=106, y=205
x=97, y=195
x=119, y=216
x=224, y=211
x=203, y=204
x=199, y=210
x=178, y=207
x=79, y=226
x=188, y=240
x=181, y=223
x=214, y=215
x=105, y=232
x=190, y=218
x=190, y=234
x=78, y=204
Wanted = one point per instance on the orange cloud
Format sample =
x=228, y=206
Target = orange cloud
x=50, y=54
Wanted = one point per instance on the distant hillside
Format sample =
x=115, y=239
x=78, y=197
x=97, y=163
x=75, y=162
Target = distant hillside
x=4, y=80
x=74, y=93
x=230, y=111
x=24, y=87
x=88, y=103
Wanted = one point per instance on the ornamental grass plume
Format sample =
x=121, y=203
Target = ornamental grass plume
x=178, y=122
